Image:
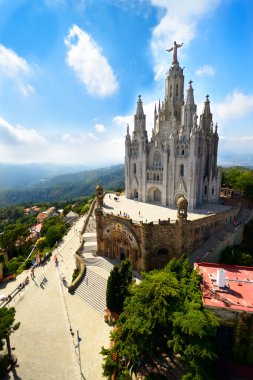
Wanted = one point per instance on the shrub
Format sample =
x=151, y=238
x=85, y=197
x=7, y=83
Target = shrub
x=14, y=263
x=75, y=274
x=85, y=209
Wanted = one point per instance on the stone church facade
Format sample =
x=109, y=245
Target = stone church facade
x=177, y=167
x=181, y=156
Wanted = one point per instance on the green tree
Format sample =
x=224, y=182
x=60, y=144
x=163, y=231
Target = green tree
x=164, y=310
x=14, y=234
x=117, y=286
x=54, y=234
x=113, y=291
x=7, y=327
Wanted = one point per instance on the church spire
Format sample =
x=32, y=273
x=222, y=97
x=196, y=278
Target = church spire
x=206, y=117
x=189, y=107
x=140, y=118
x=206, y=110
x=139, y=110
x=190, y=96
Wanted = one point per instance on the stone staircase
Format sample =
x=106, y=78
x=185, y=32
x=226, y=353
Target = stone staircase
x=99, y=262
x=92, y=290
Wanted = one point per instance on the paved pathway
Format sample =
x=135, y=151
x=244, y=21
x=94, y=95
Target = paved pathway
x=43, y=344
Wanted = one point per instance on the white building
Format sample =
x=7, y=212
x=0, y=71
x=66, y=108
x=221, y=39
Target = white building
x=181, y=157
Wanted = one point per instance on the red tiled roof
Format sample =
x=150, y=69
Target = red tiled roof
x=238, y=292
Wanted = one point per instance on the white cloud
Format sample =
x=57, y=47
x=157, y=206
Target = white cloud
x=78, y=139
x=205, y=70
x=100, y=128
x=18, y=134
x=15, y=68
x=178, y=23
x=236, y=105
x=92, y=68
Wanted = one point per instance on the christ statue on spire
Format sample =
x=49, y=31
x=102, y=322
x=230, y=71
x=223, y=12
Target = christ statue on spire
x=174, y=48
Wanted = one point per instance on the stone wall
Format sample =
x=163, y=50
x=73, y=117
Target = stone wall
x=152, y=245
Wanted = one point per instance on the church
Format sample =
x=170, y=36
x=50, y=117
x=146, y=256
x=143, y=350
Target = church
x=180, y=159
x=172, y=183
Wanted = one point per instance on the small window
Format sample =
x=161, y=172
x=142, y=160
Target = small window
x=182, y=152
x=205, y=190
x=134, y=168
x=212, y=191
x=181, y=170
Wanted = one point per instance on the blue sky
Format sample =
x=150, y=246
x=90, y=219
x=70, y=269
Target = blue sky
x=71, y=71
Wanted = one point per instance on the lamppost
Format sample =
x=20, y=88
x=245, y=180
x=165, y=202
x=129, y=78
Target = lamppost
x=77, y=345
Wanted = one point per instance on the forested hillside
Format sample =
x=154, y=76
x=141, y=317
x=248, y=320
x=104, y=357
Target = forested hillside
x=66, y=187
x=13, y=176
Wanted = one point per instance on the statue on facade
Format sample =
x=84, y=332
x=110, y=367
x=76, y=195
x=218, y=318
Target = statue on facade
x=174, y=49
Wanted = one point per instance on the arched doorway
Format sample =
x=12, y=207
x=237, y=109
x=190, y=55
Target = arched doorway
x=154, y=195
x=121, y=243
x=122, y=255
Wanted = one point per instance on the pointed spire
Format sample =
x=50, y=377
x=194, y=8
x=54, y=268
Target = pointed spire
x=216, y=128
x=190, y=96
x=206, y=110
x=155, y=111
x=139, y=110
x=159, y=106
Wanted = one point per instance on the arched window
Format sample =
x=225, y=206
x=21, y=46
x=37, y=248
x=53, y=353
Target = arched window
x=177, y=91
x=157, y=177
x=157, y=162
x=182, y=152
x=171, y=91
x=205, y=190
x=134, y=168
x=147, y=176
x=181, y=170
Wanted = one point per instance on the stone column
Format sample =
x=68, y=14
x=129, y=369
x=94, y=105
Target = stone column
x=145, y=247
x=99, y=229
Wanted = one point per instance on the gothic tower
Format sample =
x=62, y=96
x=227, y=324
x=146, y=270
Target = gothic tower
x=180, y=160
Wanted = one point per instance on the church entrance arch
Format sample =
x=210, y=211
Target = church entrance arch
x=154, y=195
x=122, y=254
x=121, y=244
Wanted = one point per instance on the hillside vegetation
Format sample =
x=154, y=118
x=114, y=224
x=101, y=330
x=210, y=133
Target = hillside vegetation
x=66, y=187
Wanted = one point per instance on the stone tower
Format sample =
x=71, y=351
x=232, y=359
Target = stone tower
x=180, y=159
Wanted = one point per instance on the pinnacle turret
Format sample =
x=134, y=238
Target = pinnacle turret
x=139, y=110
x=190, y=96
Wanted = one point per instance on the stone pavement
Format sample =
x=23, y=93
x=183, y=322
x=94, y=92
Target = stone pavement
x=44, y=346
x=148, y=212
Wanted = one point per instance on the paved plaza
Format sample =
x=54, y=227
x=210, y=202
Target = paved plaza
x=44, y=345
x=147, y=212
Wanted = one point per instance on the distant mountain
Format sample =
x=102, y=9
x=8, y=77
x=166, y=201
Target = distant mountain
x=13, y=176
x=65, y=187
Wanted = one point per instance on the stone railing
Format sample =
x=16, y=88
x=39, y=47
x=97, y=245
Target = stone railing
x=80, y=265
x=93, y=204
